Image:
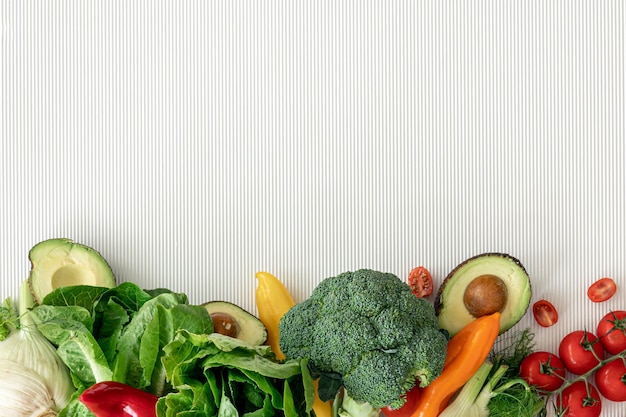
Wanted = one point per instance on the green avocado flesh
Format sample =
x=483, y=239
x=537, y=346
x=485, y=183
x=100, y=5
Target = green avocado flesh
x=482, y=285
x=231, y=320
x=62, y=262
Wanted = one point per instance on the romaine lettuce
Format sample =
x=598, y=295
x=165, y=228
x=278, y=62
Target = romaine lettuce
x=116, y=334
x=215, y=375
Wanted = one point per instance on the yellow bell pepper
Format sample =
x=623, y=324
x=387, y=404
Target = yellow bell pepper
x=321, y=408
x=273, y=300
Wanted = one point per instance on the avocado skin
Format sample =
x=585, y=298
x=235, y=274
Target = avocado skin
x=50, y=256
x=441, y=304
x=251, y=329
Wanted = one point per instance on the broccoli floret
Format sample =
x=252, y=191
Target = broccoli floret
x=368, y=327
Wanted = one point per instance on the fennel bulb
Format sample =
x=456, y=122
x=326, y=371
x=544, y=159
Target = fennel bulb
x=23, y=392
x=25, y=347
x=479, y=396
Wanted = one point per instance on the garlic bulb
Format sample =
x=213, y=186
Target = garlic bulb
x=23, y=392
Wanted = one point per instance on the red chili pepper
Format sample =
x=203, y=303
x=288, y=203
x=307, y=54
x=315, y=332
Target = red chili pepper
x=114, y=399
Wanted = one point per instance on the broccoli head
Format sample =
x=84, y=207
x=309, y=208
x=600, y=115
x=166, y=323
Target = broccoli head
x=369, y=328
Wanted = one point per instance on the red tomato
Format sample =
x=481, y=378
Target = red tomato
x=544, y=370
x=612, y=331
x=421, y=282
x=412, y=399
x=601, y=290
x=580, y=351
x=580, y=400
x=611, y=380
x=545, y=313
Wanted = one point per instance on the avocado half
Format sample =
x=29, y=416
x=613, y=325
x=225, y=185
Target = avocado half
x=62, y=262
x=231, y=320
x=482, y=285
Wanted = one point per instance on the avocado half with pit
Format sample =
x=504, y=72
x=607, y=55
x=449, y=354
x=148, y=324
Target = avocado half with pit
x=62, y=262
x=231, y=320
x=482, y=285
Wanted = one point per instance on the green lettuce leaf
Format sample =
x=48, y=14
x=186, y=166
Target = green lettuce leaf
x=69, y=328
x=116, y=334
x=212, y=374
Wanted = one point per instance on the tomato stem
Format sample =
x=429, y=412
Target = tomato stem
x=588, y=401
x=584, y=377
x=547, y=369
x=589, y=344
x=618, y=324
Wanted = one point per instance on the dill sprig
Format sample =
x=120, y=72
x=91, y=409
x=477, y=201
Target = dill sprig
x=512, y=395
x=511, y=348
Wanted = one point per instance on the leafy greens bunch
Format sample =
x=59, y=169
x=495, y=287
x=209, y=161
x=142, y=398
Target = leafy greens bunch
x=216, y=375
x=115, y=334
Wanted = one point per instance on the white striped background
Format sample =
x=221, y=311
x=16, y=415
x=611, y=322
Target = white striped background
x=196, y=142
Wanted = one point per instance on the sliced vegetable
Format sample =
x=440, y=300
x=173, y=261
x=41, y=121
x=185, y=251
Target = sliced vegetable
x=273, y=300
x=580, y=399
x=611, y=380
x=580, y=351
x=612, y=331
x=62, y=262
x=543, y=370
x=545, y=313
x=482, y=285
x=114, y=399
x=468, y=350
x=601, y=290
x=232, y=320
x=421, y=282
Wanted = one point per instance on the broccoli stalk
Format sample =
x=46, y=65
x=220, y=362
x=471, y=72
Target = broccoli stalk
x=346, y=406
x=490, y=393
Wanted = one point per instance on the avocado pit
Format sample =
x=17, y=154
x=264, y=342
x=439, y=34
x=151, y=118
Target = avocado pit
x=225, y=324
x=485, y=295
x=233, y=321
x=481, y=285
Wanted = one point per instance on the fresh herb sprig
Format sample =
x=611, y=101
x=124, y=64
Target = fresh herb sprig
x=497, y=390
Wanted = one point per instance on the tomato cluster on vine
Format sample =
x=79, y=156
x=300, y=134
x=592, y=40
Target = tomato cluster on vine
x=597, y=361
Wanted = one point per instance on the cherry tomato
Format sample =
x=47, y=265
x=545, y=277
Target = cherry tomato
x=421, y=282
x=612, y=331
x=601, y=290
x=611, y=380
x=545, y=313
x=580, y=399
x=576, y=350
x=544, y=370
x=412, y=399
